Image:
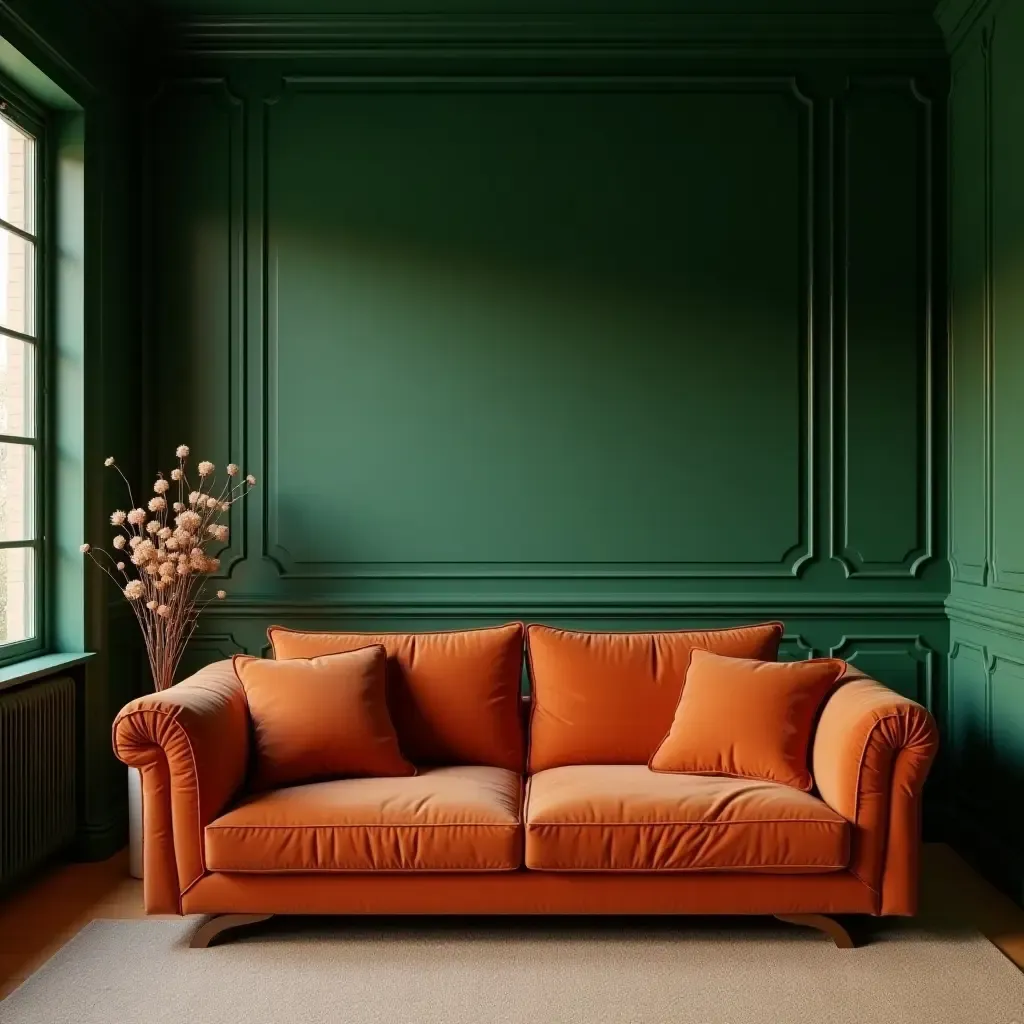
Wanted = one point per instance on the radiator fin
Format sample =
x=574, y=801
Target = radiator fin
x=37, y=774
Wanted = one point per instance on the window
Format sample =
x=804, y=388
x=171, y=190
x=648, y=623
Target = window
x=21, y=262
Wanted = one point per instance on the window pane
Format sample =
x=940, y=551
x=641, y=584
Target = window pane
x=17, y=387
x=17, y=177
x=17, y=492
x=17, y=283
x=17, y=600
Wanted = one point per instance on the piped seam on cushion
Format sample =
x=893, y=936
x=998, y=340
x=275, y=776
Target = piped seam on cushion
x=682, y=871
x=740, y=821
x=376, y=824
x=710, y=772
x=173, y=716
x=361, y=871
x=420, y=632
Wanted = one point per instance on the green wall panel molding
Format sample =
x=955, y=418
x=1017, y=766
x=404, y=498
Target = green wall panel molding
x=985, y=725
x=883, y=389
x=560, y=31
x=600, y=340
x=332, y=349
x=959, y=20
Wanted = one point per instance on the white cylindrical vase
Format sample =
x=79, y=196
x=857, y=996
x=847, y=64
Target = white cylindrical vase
x=135, y=822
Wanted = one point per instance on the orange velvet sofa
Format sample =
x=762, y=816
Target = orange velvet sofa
x=540, y=805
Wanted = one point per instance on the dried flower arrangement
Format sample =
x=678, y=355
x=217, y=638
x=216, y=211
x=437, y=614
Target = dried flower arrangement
x=166, y=544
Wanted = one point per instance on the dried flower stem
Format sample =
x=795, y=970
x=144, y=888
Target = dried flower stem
x=166, y=594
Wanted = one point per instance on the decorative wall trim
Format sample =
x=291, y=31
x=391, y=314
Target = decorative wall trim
x=911, y=644
x=789, y=563
x=963, y=571
x=1004, y=621
x=842, y=545
x=999, y=576
x=612, y=605
x=956, y=19
x=530, y=36
x=236, y=397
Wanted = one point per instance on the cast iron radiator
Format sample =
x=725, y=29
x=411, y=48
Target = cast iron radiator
x=37, y=773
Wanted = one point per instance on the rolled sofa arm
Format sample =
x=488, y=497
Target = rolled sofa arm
x=191, y=744
x=871, y=755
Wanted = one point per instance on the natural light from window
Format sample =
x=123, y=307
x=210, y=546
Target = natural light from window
x=18, y=338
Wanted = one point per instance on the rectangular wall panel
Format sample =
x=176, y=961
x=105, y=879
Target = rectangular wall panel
x=882, y=451
x=969, y=321
x=504, y=335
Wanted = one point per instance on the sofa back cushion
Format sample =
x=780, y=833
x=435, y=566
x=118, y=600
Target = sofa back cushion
x=609, y=698
x=454, y=697
x=320, y=718
x=748, y=719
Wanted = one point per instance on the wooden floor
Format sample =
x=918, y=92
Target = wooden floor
x=36, y=922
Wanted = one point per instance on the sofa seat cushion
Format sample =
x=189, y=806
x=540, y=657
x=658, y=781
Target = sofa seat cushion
x=444, y=819
x=628, y=818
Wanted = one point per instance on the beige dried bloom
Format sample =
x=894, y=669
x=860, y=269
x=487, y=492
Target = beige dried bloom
x=188, y=520
x=166, y=545
x=108, y=461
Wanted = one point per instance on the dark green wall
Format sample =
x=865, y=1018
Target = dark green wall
x=519, y=322
x=986, y=605
x=72, y=57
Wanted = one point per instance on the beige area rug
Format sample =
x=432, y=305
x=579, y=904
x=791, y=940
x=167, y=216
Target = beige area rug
x=517, y=972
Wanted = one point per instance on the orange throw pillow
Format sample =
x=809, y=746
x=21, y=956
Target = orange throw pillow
x=607, y=698
x=745, y=718
x=454, y=696
x=320, y=718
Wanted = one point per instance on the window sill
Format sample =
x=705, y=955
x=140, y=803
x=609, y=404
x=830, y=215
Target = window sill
x=37, y=667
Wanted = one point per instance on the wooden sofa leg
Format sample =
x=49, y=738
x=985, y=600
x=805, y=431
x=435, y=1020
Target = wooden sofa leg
x=214, y=926
x=829, y=925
